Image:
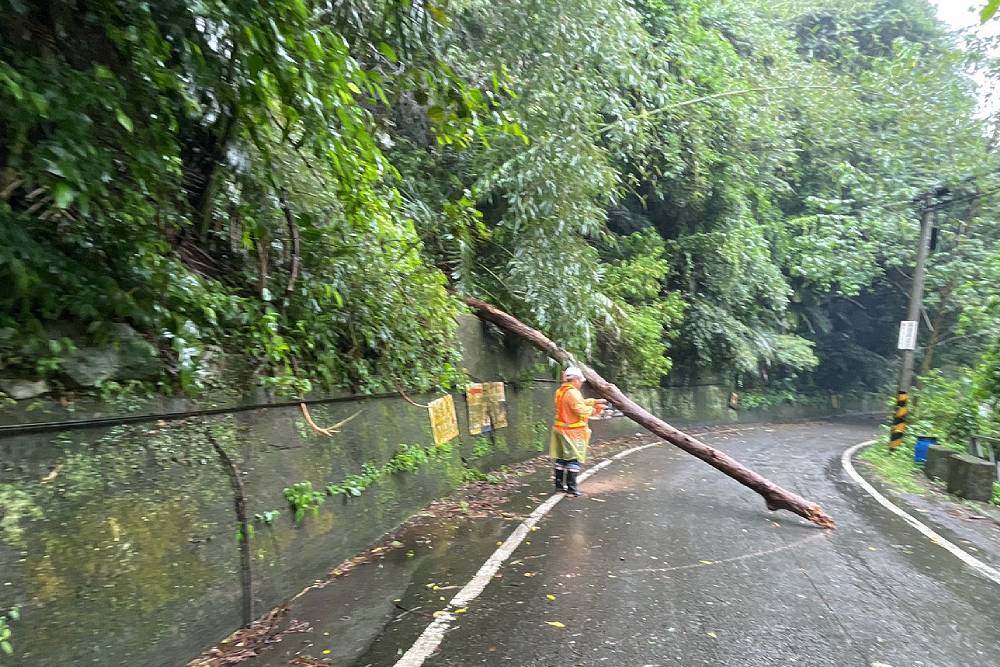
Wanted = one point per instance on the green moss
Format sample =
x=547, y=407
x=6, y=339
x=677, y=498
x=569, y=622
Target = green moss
x=110, y=467
x=132, y=543
x=483, y=447
x=18, y=506
x=540, y=440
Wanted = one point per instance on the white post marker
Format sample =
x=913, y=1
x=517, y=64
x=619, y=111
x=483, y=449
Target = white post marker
x=977, y=565
x=433, y=634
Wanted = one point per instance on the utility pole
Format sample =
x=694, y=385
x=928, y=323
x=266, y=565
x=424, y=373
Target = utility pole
x=909, y=328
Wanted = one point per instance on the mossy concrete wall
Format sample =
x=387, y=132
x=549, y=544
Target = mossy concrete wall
x=709, y=404
x=120, y=544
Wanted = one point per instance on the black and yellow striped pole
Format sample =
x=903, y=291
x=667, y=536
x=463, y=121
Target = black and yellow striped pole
x=909, y=328
x=899, y=421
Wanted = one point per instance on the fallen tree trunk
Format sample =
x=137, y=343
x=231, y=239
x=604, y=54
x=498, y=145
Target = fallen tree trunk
x=775, y=497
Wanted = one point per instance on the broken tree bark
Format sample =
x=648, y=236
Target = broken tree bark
x=775, y=497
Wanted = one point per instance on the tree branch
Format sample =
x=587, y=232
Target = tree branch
x=775, y=497
x=293, y=233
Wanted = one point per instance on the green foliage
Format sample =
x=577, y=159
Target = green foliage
x=767, y=398
x=210, y=173
x=942, y=406
x=947, y=405
x=292, y=193
x=6, y=632
x=267, y=518
x=897, y=468
x=787, y=392
x=640, y=318
x=356, y=484
x=482, y=447
x=956, y=404
x=989, y=10
x=302, y=499
x=409, y=458
x=792, y=352
x=951, y=405
x=475, y=475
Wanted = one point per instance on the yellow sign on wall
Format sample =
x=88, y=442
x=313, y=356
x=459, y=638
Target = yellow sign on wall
x=487, y=407
x=444, y=420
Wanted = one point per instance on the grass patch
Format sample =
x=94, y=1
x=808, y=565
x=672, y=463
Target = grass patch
x=900, y=471
x=897, y=469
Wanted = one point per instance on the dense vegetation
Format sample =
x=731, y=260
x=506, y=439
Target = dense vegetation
x=692, y=187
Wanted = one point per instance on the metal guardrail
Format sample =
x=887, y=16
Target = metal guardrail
x=986, y=447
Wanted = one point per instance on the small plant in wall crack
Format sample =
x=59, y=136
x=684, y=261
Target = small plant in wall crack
x=303, y=498
x=267, y=518
x=407, y=459
x=354, y=485
x=6, y=619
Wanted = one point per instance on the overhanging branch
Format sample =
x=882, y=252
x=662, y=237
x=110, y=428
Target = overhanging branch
x=775, y=497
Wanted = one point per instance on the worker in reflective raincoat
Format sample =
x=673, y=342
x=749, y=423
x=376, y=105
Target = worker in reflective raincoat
x=570, y=434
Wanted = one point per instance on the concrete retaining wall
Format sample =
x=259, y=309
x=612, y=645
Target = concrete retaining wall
x=119, y=544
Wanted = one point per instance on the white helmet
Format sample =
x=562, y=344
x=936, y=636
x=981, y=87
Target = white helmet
x=572, y=372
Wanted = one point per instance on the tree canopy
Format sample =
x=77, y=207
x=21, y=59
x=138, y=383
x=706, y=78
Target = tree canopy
x=673, y=188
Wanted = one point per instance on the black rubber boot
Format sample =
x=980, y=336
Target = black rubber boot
x=571, y=483
x=559, y=479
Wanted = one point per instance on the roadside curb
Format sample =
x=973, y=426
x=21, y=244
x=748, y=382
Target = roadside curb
x=977, y=565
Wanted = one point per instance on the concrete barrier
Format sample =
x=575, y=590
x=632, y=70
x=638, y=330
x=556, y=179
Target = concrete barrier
x=938, y=457
x=971, y=477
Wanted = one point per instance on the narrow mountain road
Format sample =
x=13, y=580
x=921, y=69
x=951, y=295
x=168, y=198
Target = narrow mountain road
x=668, y=563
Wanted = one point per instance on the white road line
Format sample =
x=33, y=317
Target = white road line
x=724, y=561
x=433, y=634
x=979, y=566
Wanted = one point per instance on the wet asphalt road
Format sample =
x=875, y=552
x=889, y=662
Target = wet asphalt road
x=667, y=562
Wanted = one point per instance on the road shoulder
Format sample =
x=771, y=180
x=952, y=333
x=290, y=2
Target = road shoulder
x=972, y=526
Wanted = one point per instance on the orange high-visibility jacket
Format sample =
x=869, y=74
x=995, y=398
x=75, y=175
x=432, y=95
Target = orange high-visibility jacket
x=573, y=411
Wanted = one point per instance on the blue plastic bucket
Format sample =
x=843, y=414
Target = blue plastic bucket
x=920, y=451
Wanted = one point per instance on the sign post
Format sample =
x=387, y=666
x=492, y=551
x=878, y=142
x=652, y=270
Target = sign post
x=909, y=329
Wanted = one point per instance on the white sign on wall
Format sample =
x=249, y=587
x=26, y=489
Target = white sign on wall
x=907, y=335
